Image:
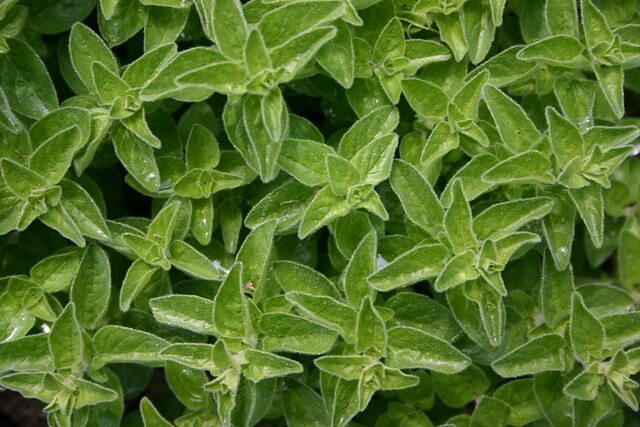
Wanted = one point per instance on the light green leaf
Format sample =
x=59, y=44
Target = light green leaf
x=559, y=50
x=189, y=312
x=325, y=311
x=371, y=333
x=421, y=263
x=86, y=47
x=323, y=208
x=418, y=199
x=25, y=81
x=294, y=277
x=530, y=167
x=150, y=415
x=588, y=201
x=262, y=365
x=91, y=288
x=501, y=219
x=410, y=348
x=302, y=406
x=188, y=259
x=286, y=332
x=138, y=276
x=66, y=343
x=544, y=353
x=337, y=57
x=117, y=344
x=585, y=331
x=231, y=311
x=516, y=129
x=291, y=19
x=556, y=292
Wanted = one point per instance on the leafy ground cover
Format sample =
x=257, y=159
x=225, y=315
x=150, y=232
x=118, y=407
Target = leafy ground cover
x=320, y=212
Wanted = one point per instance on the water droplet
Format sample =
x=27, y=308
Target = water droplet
x=585, y=123
x=381, y=262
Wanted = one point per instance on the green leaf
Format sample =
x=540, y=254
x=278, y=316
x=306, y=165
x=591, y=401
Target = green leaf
x=213, y=358
x=559, y=227
x=302, y=406
x=458, y=270
x=595, y=26
x=117, y=344
x=501, y=219
x=91, y=288
x=584, y=386
x=621, y=329
x=559, y=50
x=585, y=331
x=187, y=385
x=255, y=253
x=188, y=259
x=361, y=265
x=479, y=29
x=171, y=80
x=137, y=157
x=566, y=140
x=426, y=99
x=379, y=122
x=286, y=332
x=288, y=21
x=342, y=174
x=224, y=23
x=457, y=390
x=305, y=160
x=556, y=292
x=25, y=81
x=490, y=412
x=516, y=130
x=518, y=394
x=33, y=385
x=325, y=311
x=418, y=199
x=323, y=208
x=410, y=348
x=255, y=54
x=84, y=210
x=30, y=353
x=337, y=57
x=266, y=148
x=138, y=276
x=184, y=311
x=294, y=277
x=164, y=25
x=60, y=220
x=66, y=343
x=87, y=48
x=345, y=367
x=371, y=333
x=530, y=167
x=53, y=157
x=421, y=263
x=138, y=126
x=589, y=203
x=544, y=353
x=150, y=415
x=56, y=272
x=611, y=82
x=457, y=221
x=231, y=311
x=421, y=312
x=562, y=17
x=262, y=365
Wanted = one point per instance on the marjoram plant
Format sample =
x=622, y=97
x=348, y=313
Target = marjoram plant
x=385, y=213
